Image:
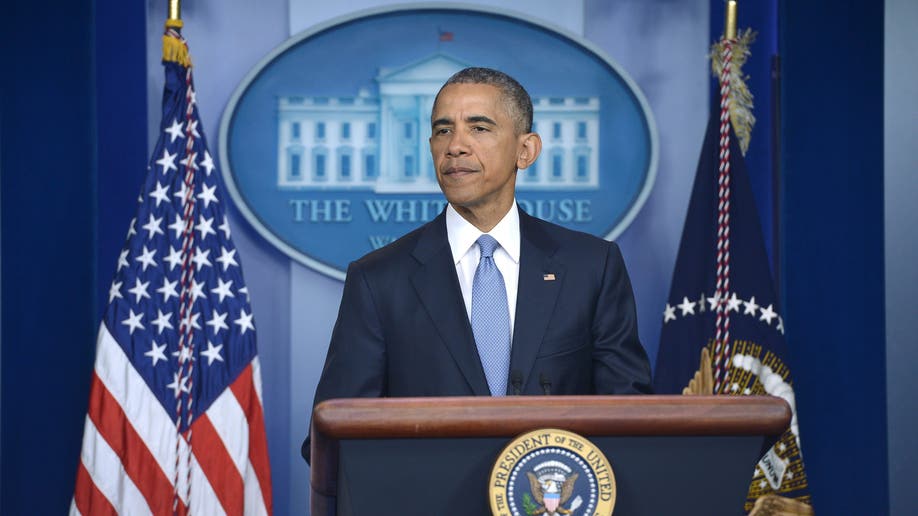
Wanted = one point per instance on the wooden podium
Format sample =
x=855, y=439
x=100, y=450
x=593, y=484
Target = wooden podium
x=670, y=454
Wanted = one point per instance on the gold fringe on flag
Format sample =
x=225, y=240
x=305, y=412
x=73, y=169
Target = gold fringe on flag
x=741, y=115
x=174, y=49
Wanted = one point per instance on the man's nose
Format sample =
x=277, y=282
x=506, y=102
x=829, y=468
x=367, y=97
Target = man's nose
x=457, y=145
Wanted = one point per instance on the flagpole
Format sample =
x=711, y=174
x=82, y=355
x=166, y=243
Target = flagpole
x=175, y=10
x=729, y=20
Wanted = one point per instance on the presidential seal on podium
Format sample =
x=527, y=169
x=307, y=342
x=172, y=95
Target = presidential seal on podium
x=551, y=472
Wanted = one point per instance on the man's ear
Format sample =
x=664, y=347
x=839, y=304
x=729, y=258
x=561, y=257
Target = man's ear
x=530, y=148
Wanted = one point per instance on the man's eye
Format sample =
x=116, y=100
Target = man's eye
x=479, y=129
x=442, y=130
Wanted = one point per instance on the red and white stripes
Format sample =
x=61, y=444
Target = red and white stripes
x=128, y=464
x=722, y=288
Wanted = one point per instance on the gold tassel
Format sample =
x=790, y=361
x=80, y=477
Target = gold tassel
x=174, y=49
x=740, y=97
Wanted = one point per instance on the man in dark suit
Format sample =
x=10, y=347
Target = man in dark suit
x=419, y=317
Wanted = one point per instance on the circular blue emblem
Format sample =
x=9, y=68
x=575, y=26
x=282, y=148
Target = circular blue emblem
x=324, y=145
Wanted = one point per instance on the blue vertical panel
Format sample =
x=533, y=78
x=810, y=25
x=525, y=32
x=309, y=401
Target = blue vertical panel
x=47, y=151
x=832, y=166
x=121, y=112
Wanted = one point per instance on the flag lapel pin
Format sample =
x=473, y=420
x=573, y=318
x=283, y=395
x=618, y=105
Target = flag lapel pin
x=548, y=277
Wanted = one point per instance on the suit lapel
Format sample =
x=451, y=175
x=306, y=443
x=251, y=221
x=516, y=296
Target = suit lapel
x=539, y=284
x=438, y=288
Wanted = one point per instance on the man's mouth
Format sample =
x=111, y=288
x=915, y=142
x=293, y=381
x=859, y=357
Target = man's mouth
x=459, y=171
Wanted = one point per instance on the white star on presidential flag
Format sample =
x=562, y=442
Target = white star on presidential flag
x=178, y=226
x=174, y=258
x=175, y=130
x=153, y=227
x=217, y=322
x=208, y=195
x=669, y=313
x=133, y=321
x=115, y=291
x=200, y=258
x=167, y=161
x=162, y=321
x=733, y=303
x=197, y=290
x=168, y=289
x=245, y=322
x=190, y=319
x=751, y=307
x=687, y=307
x=178, y=386
x=212, y=352
x=227, y=258
x=205, y=226
x=146, y=258
x=208, y=163
x=223, y=289
x=768, y=314
x=193, y=128
x=139, y=290
x=161, y=193
x=156, y=353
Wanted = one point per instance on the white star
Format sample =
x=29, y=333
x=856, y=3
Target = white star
x=174, y=258
x=200, y=259
x=217, y=320
x=751, y=307
x=194, y=97
x=245, y=290
x=781, y=447
x=131, y=230
x=175, y=130
x=205, y=226
x=190, y=319
x=197, y=290
x=208, y=163
x=767, y=315
x=245, y=322
x=161, y=193
x=167, y=161
x=225, y=227
x=780, y=326
x=122, y=259
x=181, y=193
x=227, y=258
x=156, y=353
x=162, y=321
x=178, y=385
x=789, y=474
x=178, y=226
x=190, y=163
x=146, y=258
x=139, y=290
x=687, y=307
x=153, y=226
x=669, y=313
x=701, y=303
x=762, y=484
x=733, y=303
x=223, y=289
x=714, y=301
x=212, y=353
x=734, y=387
x=208, y=195
x=193, y=128
x=115, y=290
x=133, y=321
x=168, y=289
x=184, y=355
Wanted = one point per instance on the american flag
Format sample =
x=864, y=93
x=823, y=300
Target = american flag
x=175, y=422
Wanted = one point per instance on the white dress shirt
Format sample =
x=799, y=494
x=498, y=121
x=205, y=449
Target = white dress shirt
x=463, y=237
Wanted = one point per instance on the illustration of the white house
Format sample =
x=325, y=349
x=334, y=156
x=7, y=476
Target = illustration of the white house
x=380, y=143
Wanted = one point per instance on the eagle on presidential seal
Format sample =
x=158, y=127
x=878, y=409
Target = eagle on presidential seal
x=552, y=488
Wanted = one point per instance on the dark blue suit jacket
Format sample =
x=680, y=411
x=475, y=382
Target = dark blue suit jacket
x=403, y=330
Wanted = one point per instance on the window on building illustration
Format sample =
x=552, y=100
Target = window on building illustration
x=318, y=173
x=556, y=101
x=532, y=174
x=369, y=167
x=409, y=130
x=370, y=171
x=557, y=166
x=409, y=166
x=295, y=167
x=320, y=101
x=556, y=130
x=295, y=130
x=583, y=168
x=320, y=130
x=345, y=131
x=345, y=165
x=581, y=130
x=371, y=131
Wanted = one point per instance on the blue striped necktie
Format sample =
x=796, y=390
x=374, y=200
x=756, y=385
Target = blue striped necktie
x=491, y=318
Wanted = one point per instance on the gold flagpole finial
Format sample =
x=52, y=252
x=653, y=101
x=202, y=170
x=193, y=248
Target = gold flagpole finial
x=730, y=20
x=175, y=14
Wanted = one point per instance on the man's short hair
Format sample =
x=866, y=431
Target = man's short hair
x=515, y=97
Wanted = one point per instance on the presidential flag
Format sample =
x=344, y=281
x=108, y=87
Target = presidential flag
x=175, y=422
x=723, y=330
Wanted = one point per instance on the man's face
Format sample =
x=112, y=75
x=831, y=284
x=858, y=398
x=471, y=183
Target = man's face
x=475, y=148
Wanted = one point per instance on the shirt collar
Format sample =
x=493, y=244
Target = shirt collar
x=462, y=234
